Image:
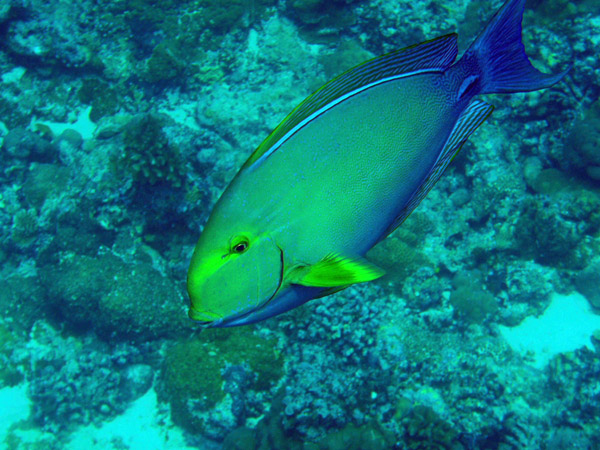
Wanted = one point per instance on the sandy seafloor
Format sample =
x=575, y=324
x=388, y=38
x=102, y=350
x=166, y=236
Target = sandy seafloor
x=120, y=125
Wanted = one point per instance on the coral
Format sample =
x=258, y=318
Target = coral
x=10, y=374
x=550, y=181
x=555, y=10
x=12, y=115
x=131, y=301
x=551, y=232
x=349, y=54
x=44, y=181
x=221, y=17
x=588, y=281
x=495, y=190
x=566, y=437
x=195, y=25
x=583, y=143
x=80, y=380
x=21, y=299
x=20, y=143
x=25, y=227
x=103, y=99
x=75, y=231
x=76, y=285
x=472, y=306
x=192, y=377
x=166, y=63
x=147, y=156
x=5, y=11
x=528, y=286
x=424, y=429
x=471, y=24
x=370, y=436
x=418, y=224
x=49, y=34
x=572, y=383
x=217, y=16
x=582, y=206
x=7, y=339
x=424, y=288
x=398, y=255
x=142, y=303
x=471, y=303
x=397, y=258
x=209, y=380
x=71, y=138
x=321, y=18
x=242, y=438
x=337, y=375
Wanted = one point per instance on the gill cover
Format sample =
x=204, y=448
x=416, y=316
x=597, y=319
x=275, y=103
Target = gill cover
x=225, y=285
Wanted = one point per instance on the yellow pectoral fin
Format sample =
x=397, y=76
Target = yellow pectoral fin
x=336, y=270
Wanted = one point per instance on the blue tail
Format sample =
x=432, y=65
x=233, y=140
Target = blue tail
x=497, y=59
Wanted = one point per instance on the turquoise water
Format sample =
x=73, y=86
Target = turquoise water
x=120, y=125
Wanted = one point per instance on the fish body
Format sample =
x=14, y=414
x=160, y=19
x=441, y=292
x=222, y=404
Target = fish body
x=378, y=135
x=344, y=169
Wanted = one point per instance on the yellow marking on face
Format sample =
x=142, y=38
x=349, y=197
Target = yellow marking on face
x=202, y=269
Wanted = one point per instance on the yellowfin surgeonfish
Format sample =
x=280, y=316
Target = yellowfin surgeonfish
x=344, y=169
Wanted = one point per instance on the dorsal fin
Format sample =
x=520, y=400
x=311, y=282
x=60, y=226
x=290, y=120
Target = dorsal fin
x=467, y=123
x=434, y=55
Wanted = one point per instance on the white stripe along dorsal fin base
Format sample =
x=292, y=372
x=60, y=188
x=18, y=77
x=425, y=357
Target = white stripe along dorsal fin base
x=434, y=55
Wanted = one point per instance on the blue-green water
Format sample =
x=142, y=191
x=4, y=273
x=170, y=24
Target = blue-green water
x=120, y=125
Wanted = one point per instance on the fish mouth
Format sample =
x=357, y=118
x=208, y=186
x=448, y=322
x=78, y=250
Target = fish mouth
x=242, y=318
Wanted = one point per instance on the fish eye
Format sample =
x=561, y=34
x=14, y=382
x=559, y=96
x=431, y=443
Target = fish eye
x=240, y=247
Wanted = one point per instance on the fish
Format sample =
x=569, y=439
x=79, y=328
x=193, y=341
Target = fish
x=345, y=168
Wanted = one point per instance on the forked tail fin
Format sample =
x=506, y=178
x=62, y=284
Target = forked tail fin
x=498, y=60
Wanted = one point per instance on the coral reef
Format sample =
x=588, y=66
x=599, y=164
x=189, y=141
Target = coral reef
x=130, y=301
x=25, y=227
x=44, y=181
x=103, y=98
x=20, y=143
x=587, y=282
x=399, y=255
x=549, y=231
x=147, y=156
x=582, y=145
x=74, y=381
x=10, y=375
x=35, y=36
x=215, y=382
x=471, y=303
x=120, y=125
x=528, y=286
x=322, y=20
x=166, y=62
x=424, y=429
x=345, y=382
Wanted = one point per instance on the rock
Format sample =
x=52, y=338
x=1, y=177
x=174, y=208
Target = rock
x=71, y=137
x=136, y=380
x=587, y=282
x=22, y=144
x=242, y=438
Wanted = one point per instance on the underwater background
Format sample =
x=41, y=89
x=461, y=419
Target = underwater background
x=121, y=123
